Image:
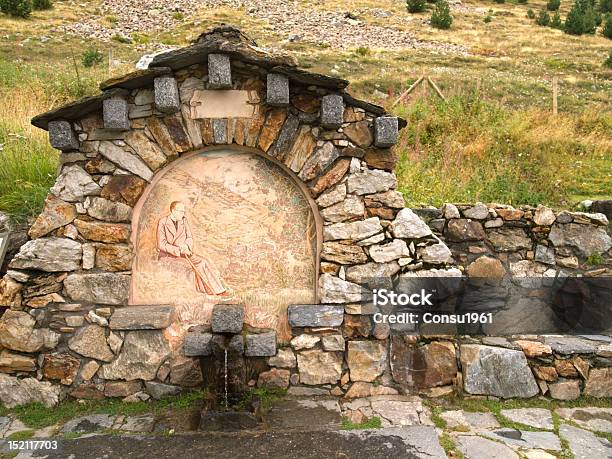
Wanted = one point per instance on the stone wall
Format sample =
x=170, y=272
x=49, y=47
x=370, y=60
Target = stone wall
x=69, y=331
x=68, y=287
x=527, y=241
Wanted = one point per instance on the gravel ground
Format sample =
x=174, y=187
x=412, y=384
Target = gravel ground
x=336, y=29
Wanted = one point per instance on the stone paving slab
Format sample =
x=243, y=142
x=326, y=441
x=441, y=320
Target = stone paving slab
x=585, y=444
x=538, y=454
x=143, y=423
x=525, y=439
x=598, y=419
x=307, y=414
x=473, y=420
x=539, y=418
x=88, y=424
x=474, y=447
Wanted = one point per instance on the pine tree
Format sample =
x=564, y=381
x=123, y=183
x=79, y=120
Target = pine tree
x=441, y=17
x=582, y=18
x=543, y=18
x=16, y=8
x=607, y=28
x=415, y=6
x=556, y=22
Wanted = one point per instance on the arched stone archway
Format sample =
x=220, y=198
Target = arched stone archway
x=251, y=221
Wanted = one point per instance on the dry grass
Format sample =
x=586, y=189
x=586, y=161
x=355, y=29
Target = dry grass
x=511, y=60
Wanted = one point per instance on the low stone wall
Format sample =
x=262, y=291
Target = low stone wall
x=492, y=241
x=69, y=328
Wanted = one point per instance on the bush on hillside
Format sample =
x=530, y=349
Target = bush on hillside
x=556, y=22
x=553, y=5
x=607, y=28
x=543, y=18
x=16, y=8
x=581, y=19
x=91, y=57
x=441, y=17
x=415, y=6
x=500, y=1
x=42, y=4
x=530, y=14
x=608, y=61
x=605, y=6
x=522, y=2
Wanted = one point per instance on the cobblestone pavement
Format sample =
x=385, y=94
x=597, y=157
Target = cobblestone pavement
x=317, y=427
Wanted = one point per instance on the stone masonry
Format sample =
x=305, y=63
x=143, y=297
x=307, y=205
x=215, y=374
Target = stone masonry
x=69, y=331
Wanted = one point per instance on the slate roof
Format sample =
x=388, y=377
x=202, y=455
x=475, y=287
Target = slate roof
x=224, y=39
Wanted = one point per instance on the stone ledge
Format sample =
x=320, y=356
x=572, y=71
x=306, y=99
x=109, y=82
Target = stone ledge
x=315, y=315
x=142, y=317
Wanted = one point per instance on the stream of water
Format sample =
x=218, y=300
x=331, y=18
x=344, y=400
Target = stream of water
x=225, y=378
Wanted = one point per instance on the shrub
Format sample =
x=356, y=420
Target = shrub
x=42, y=4
x=441, y=17
x=500, y=1
x=605, y=6
x=488, y=18
x=582, y=18
x=543, y=18
x=595, y=259
x=608, y=61
x=92, y=57
x=553, y=5
x=522, y=2
x=607, y=28
x=415, y=6
x=121, y=38
x=530, y=14
x=16, y=8
x=556, y=22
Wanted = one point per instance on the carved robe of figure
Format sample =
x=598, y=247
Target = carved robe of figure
x=175, y=241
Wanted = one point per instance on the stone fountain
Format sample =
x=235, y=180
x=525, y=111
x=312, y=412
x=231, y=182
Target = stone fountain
x=230, y=356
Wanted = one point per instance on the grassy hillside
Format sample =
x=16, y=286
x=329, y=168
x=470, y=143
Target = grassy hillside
x=495, y=138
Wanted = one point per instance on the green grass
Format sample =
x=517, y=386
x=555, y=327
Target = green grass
x=500, y=145
x=372, y=423
x=595, y=259
x=449, y=446
x=21, y=435
x=37, y=416
x=266, y=395
x=438, y=406
x=27, y=171
x=469, y=149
